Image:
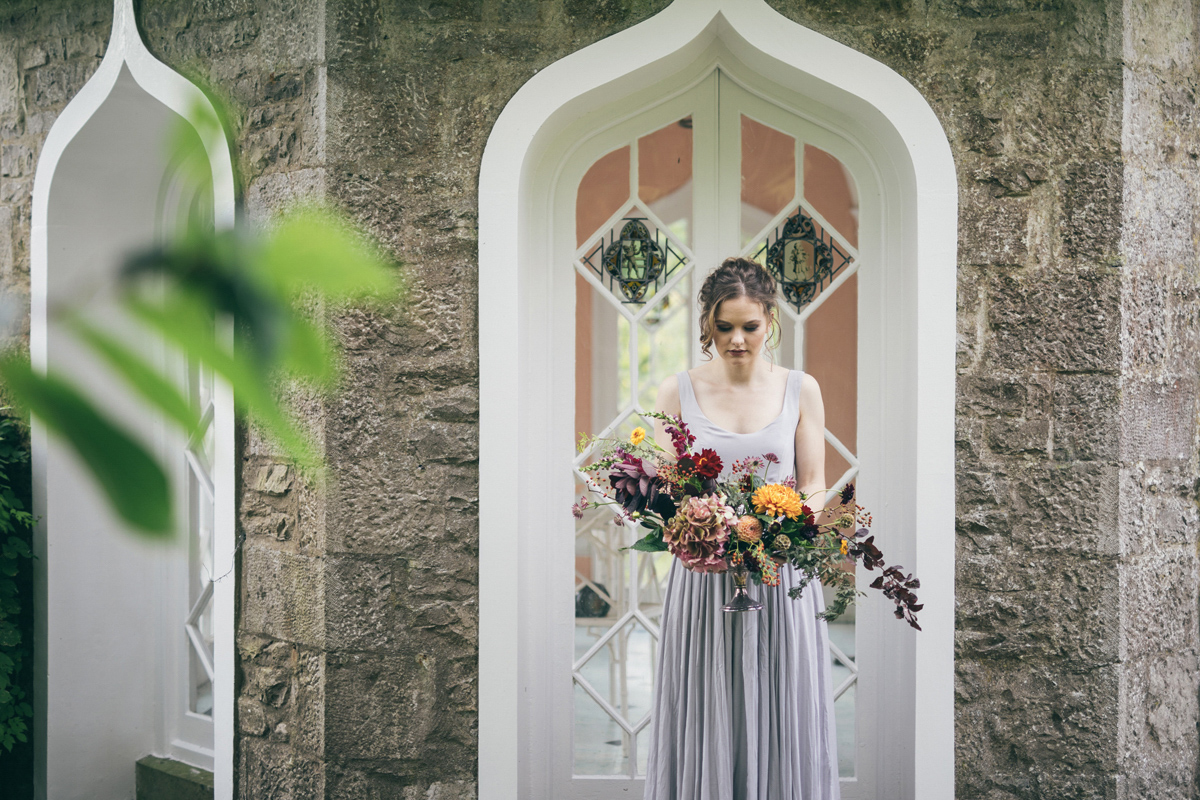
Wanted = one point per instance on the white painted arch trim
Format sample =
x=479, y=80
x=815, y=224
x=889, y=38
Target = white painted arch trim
x=126, y=49
x=906, y=131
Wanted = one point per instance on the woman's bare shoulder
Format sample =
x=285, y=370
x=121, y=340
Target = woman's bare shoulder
x=810, y=395
x=668, y=395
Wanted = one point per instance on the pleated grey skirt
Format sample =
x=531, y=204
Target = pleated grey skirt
x=743, y=702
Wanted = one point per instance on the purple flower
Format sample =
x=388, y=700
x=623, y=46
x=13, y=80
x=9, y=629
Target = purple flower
x=580, y=507
x=771, y=457
x=635, y=482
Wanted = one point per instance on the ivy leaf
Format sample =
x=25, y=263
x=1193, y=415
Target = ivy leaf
x=650, y=543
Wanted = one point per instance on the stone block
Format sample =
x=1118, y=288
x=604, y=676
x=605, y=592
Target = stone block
x=1160, y=215
x=274, y=192
x=360, y=604
x=393, y=782
x=420, y=11
x=273, y=479
x=283, y=595
x=252, y=717
x=1161, y=125
x=16, y=160
x=992, y=230
x=1060, y=505
x=1091, y=217
x=1086, y=417
x=1061, y=608
x=6, y=243
x=1159, y=507
x=10, y=80
x=975, y=9
x=1028, y=730
x=1160, y=593
x=1067, y=320
x=983, y=509
x=1160, y=34
x=1005, y=395
x=56, y=83
x=971, y=324
x=1158, y=419
x=269, y=771
x=1019, y=436
x=1159, y=718
x=852, y=12
x=1146, y=311
x=1051, y=114
x=282, y=684
x=33, y=57
x=417, y=707
x=163, y=779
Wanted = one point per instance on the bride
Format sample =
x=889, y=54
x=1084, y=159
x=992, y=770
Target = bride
x=743, y=702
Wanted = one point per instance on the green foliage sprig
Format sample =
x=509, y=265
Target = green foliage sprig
x=15, y=526
x=230, y=301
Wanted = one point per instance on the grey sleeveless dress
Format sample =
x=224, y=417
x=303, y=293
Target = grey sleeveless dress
x=743, y=702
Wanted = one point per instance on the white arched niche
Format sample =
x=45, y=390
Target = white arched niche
x=115, y=678
x=526, y=422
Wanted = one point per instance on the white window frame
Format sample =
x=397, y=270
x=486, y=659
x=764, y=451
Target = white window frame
x=77, y=753
x=521, y=339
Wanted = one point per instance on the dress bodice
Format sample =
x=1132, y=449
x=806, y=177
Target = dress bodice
x=778, y=437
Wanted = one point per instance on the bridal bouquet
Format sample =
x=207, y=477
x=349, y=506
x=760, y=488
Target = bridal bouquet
x=742, y=523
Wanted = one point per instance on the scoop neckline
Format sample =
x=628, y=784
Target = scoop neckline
x=700, y=411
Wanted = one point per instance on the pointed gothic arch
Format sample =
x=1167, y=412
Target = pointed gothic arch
x=112, y=637
x=520, y=342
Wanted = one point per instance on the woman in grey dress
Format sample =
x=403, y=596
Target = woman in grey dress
x=743, y=702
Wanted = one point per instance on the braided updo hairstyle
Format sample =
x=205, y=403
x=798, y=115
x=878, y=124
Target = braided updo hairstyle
x=736, y=277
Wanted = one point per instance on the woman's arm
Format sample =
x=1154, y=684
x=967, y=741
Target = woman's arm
x=668, y=403
x=810, y=444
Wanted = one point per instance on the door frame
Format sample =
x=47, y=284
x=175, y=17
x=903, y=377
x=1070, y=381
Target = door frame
x=74, y=744
x=863, y=102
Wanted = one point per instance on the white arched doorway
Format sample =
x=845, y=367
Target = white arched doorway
x=710, y=65
x=134, y=641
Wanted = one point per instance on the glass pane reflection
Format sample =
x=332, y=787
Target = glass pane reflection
x=768, y=175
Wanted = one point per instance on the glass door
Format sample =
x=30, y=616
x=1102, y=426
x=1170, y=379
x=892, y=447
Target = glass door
x=714, y=172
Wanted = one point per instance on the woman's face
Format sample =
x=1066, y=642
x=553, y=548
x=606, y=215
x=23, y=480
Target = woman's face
x=740, y=329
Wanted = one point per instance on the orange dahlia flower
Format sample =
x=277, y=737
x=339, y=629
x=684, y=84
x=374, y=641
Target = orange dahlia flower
x=749, y=529
x=778, y=501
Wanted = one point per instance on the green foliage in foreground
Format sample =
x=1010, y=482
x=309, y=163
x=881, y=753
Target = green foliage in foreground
x=226, y=301
x=213, y=281
x=15, y=526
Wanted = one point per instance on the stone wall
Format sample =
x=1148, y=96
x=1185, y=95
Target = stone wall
x=1077, y=472
x=1159, y=473
x=1030, y=96
x=267, y=57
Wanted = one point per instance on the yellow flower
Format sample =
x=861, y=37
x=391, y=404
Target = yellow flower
x=845, y=548
x=637, y=436
x=777, y=500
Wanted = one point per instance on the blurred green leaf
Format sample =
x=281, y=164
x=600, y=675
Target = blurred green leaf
x=140, y=376
x=183, y=319
x=315, y=248
x=132, y=480
x=305, y=353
